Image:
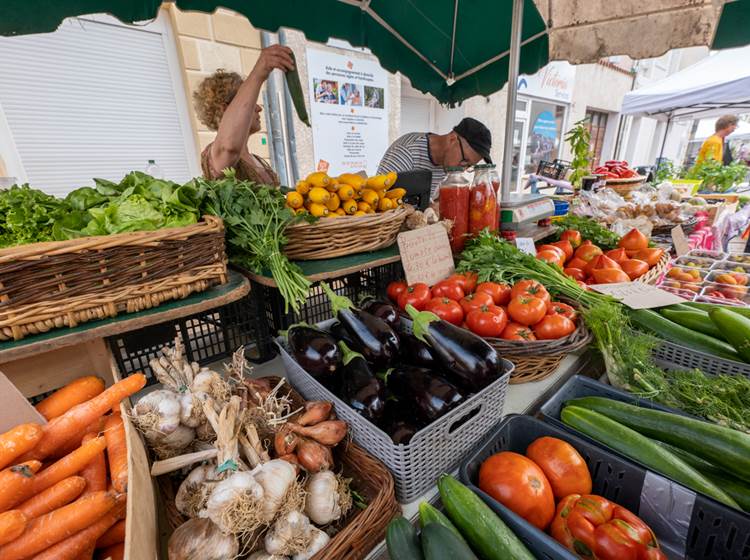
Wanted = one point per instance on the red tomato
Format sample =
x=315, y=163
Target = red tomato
x=467, y=280
x=487, y=321
x=602, y=261
x=609, y=276
x=395, y=289
x=575, y=273
x=550, y=247
x=575, y=262
x=527, y=310
x=617, y=255
x=562, y=309
x=417, y=295
x=563, y=466
x=650, y=255
x=475, y=301
x=520, y=485
x=446, y=309
x=530, y=288
x=573, y=236
x=633, y=241
x=587, y=252
x=553, y=326
x=566, y=247
x=551, y=257
x=514, y=331
x=500, y=292
x=449, y=289
x=634, y=268
x=583, y=284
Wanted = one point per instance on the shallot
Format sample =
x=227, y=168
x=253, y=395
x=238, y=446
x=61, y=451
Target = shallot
x=313, y=456
x=315, y=411
x=329, y=432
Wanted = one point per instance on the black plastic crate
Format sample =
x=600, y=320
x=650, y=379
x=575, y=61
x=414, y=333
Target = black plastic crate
x=715, y=531
x=356, y=285
x=208, y=336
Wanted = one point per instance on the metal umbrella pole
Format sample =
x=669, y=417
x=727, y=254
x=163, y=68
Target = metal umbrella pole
x=510, y=117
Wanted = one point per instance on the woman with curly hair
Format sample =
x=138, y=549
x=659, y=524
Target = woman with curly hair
x=227, y=104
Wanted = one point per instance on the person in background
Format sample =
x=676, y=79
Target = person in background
x=713, y=147
x=468, y=143
x=226, y=103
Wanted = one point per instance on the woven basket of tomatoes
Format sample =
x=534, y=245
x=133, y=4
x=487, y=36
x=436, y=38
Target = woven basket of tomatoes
x=521, y=321
x=588, y=263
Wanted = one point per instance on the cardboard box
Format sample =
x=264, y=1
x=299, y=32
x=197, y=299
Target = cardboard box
x=38, y=375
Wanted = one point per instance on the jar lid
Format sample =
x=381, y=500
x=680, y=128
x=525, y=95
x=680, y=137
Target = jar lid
x=480, y=166
x=454, y=168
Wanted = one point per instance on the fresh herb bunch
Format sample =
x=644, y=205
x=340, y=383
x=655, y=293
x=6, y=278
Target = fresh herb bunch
x=579, y=138
x=28, y=215
x=716, y=177
x=590, y=229
x=255, y=217
x=665, y=171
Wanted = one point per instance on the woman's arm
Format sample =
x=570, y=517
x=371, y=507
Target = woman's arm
x=234, y=129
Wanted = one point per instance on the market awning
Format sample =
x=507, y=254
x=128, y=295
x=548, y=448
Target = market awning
x=733, y=29
x=716, y=85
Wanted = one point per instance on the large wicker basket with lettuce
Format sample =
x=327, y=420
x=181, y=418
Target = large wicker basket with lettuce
x=56, y=284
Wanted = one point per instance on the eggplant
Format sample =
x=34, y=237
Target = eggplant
x=465, y=357
x=429, y=393
x=339, y=333
x=315, y=350
x=416, y=352
x=360, y=389
x=371, y=336
x=402, y=431
x=386, y=311
x=398, y=421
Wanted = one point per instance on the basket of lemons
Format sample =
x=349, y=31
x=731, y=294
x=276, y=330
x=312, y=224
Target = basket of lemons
x=357, y=214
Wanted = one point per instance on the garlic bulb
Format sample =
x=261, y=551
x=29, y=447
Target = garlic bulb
x=319, y=540
x=235, y=503
x=276, y=477
x=289, y=535
x=191, y=409
x=201, y=538
x=263, y=555
x=178, y=439
x=204, y=381
x=157, y=414
x=205, y=432
x=193, y=493
x=322, y=503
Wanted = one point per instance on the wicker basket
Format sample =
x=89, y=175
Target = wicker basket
x=538, y=359
x=358, y=533
x=347, y=235
x=655, y=272
x=64, y=283
x=624, y=187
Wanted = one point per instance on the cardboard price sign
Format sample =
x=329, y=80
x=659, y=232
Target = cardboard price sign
x=681, y=246
x=426, y=254
x=638, y=295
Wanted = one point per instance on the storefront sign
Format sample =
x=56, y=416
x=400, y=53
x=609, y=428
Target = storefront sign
x=426, y=254
x=638, y=295
x=554, y=81
x=349, y=108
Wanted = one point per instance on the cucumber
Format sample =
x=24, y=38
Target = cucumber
x=738, y=489
x=735, y=328
x=635, y=446
x=744, y=311
x=440, y=543
x=693, y=319
x=727, y=448
x=295, y=92
x=402, y=540
x=666, y=329
x=480, y=526
x=429, y=514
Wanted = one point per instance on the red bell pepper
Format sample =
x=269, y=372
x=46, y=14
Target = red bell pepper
x=593, y=527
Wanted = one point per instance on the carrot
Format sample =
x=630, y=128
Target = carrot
x=75, y=545
x=117, y=452
x=95, y=473
x=53, y=497
x=87, y=555
x=76, y=392
x=21, y=439
x=15, y=482
x=115, y=535
x=12, y=525
x=51, y=528
x=95, y=427
x=114, y=552
x=72, y=424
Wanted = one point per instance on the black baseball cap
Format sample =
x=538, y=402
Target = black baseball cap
x=477, y=135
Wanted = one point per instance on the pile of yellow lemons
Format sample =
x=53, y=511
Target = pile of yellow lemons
x=346, y=195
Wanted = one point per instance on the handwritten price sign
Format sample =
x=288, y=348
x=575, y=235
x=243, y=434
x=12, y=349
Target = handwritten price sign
x=638, y=295
x=426, y=254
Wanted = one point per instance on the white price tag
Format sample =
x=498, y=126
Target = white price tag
x=638, y=295
x=526, y=244
x=681, y=245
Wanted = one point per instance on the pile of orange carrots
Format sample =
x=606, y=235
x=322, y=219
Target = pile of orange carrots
x=63, y=484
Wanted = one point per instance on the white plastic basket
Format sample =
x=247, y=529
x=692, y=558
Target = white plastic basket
x=675, y=356
x=435, y=449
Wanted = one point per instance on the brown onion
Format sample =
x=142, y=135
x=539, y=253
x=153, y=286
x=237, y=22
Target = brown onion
x=329, y=432
x=313, y=456
x=285, y=442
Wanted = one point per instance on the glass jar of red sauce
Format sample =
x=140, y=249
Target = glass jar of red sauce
x=454, y=205
x=494, y=179
x=483, y=211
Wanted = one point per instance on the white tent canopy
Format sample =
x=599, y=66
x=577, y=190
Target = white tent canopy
x=714, y=86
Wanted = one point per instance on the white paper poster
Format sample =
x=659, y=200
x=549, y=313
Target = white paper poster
x=349, y=111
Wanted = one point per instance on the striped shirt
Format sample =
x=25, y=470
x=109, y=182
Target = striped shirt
x=412, y=151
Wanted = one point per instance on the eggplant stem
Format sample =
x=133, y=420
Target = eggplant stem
x=421, y=321
x=337, y=302
x=349, y=354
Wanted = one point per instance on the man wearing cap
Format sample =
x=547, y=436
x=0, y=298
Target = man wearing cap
x=468, y=142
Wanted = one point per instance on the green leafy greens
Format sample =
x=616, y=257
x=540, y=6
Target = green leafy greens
x=590, y=229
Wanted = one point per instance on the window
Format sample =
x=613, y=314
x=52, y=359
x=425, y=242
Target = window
x=93, y=99
x=598, y=128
